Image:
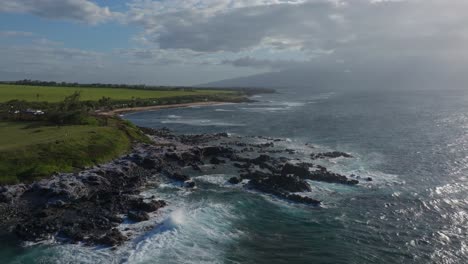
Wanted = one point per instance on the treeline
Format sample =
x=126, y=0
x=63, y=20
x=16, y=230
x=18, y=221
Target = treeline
x=96, y=85
x=247, y=91
x=69, y=111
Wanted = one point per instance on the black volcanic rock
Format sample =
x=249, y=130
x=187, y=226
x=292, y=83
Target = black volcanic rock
x=255, y=175
x=330, y=177
x=112, y=238
x=149, y=163
x=301, y=170
x=195, y=167
x=178, y=176
x=234, y=180
x=216, y=151
x=151, y=206
x=216, y=161
x=331, y=155
x=138, y=216
x=288, y=183
x=302, y=199
x=189, y=184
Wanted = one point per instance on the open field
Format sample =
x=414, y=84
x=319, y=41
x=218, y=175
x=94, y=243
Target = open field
x=18, y=134
x=56, y=94
x=33, y=150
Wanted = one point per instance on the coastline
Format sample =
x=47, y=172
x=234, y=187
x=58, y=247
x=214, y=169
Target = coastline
x=157, y=107
x=89, y=206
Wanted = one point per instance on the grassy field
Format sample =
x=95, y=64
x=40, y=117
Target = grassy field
x=31, y=151
x=56, y=94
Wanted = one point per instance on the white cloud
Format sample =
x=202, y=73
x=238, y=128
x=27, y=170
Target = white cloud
x=233, y=26
x=74, y=10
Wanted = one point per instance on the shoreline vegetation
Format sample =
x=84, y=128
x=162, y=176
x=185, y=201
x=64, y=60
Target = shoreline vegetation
x=41, y=135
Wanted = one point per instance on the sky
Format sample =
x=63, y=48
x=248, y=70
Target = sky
x=189, y=42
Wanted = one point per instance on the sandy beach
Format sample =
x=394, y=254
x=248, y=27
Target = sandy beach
x=156, y=107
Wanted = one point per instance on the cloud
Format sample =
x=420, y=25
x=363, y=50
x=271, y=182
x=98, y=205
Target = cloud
x=231, y=26
x=345, y=30
x=74, y=10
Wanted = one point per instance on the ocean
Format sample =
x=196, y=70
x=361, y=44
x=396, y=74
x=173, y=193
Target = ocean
x=413, y=143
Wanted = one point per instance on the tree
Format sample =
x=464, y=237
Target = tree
x=71, y=103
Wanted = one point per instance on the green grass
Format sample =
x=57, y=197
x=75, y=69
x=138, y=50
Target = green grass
x=30, y=151
x=54, y=94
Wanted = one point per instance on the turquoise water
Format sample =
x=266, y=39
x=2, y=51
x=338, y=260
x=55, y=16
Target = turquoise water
x=413, y=143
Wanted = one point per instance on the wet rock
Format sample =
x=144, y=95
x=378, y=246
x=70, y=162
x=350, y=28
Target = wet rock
x=255, y=175
x=138, y=216
x=322, y=174
x=216, y=151
x=290, y=151
x=190, y=157
x=141, y=205
x=301, y=170
x=331, y=155
x=189, y=184
x=261, y=159
x=289, y=183
x=171, y=156
x=216, y=161
x=330, y=177
x=234, y=180
x=150, y=163
x=178, y=176
x=195, y=167
x=112, y=238
x=302, y=199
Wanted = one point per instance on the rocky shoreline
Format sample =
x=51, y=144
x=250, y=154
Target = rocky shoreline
x=89, y=206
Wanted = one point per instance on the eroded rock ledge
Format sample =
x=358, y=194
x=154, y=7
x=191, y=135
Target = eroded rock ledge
x=89, y=206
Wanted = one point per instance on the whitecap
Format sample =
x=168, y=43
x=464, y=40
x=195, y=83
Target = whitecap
x=202, y=231
x=199, y=122
x=292, y=104
x=265, y=109
x=214, y=178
